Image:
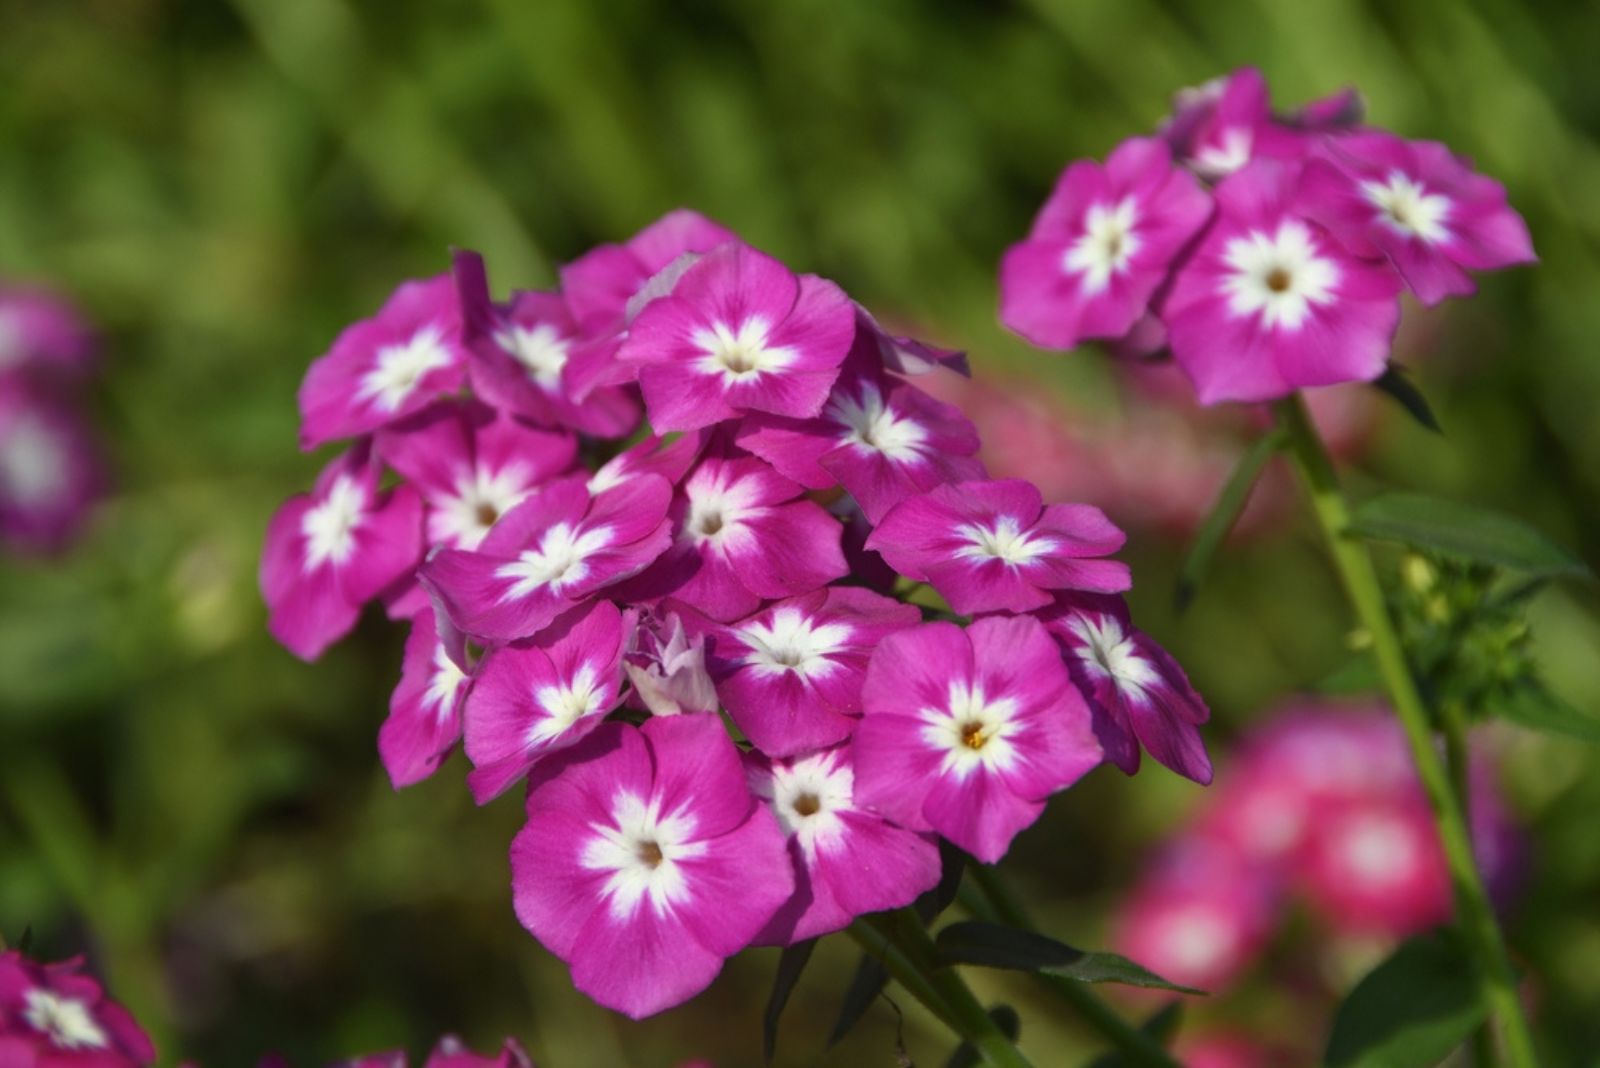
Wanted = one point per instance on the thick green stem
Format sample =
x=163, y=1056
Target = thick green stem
x=1360, y=579
x=994, y=903
x=901, y=943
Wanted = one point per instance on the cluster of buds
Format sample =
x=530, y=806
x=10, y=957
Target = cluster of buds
x=752, y=659
x=1267, y=253
x=50, y=469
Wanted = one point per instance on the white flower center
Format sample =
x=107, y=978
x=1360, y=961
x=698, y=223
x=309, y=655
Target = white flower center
x=400, y=367
x=807, y=796
x=558, y=560
x=972, y=731
x=642, y=850
x=67, y=1022
x=791, y=641
x=1278, y=276
x=1005, y=540
x=1406, y=206
x=330, y=525
x=443, y=684
x=1108, y=242
x=566, y=703
x=1230, y=152
x=1110, y=651
x=869, y=423
x=33, y=463
x=719, y=506
x=1378, y=851
x=481, y=498
x=542, y=349
x=739, y=355
x=12, y=349
x=1197, y=940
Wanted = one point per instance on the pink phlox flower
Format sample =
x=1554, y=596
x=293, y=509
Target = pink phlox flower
x=790, y=676
x=1374, y=866
x=739, y=332
x=742, y=537
x=1217, y=128
x=549, y=554
x=996, y=546
x=967, y=732
x=646, y=861
x=55, y=1016
x=42, y=334
x=1137, y=691
x=848, y=861
x=1101, y=246
x=329, y=552
x=424, y=721
x=520, y=352
x=878, y=436
x=666, y=666
x=383, y=369
x=538, y=696
x=1270, y=303
x=51, y=472
x=1419, y=205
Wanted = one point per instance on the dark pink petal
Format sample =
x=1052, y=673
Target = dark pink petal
x=641, y=967
x=692, y=751
x=424, y=720
x=792, y=549
x=894, y=768
x=979, y=814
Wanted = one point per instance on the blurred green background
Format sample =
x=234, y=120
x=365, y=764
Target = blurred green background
x=223, y=185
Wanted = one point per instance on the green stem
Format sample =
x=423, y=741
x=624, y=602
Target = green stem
x=1360, y=579
x=901, y=943
x=994, y=903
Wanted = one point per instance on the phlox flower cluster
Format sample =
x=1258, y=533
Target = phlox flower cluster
x=56, y=1016
x=1320, y=807
x=50, y=468
x=656, y=533
x=1267, y=253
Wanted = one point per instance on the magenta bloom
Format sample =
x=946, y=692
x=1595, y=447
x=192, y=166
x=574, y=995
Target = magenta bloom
x=535, y=697
x=791, y=675
x=54, y=1016
x=743, y=538
x=1374, y=866
x=996, y=546
x=1215, y=129
x=549, y=554
x=520, y=354
x=472, y=466
x=739, y=332
x=329, y=552
x=1418, y=204
x=646, y=861
x=1101, y=246
x=666, y=666
x=424, y=721
x=879, y=437
x=1269, y=303
x=967, y=732
x=385, y=368
x=847, y=861
x=50, y=468
x=601, y=284
x=1138, y=693
x=41, y=333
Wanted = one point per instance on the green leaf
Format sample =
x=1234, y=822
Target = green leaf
x=865, y=986
x=1162, y=1027
x=1411, y=1010
x=1396, y=384
x=1224, y=514
x=990, y=945
x=1462, y=530
x=1538, y=709
x=1010, y=1025
x=790, y=965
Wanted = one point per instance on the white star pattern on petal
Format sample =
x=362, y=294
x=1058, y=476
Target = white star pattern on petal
x=972, y=731
x=742, y=354
x=807, y=796
x=444, y=683
x=566, y=703
x=1110, y=652
x=871, y=425
x=1005, y=540
x=1278, y=276
x=642, y=849
x=330, y=526
x=791, y=641
x=399, y=368
x=66, y=1022
x=481, y=498
x=541, y=349
x=1108, y=242
x=1406, y=206
x=557, y=561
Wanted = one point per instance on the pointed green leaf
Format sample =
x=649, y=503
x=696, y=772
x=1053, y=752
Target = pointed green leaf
x=990, y=945
x=790, y=965
x=1538, y=709
x=1411, y=1010
x=865, y=986
x=1010, y=1025
x=1224, y=514
x=1462, y=530
x=1396, y=383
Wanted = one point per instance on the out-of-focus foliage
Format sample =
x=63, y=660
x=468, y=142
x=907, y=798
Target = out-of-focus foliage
x=224, y=183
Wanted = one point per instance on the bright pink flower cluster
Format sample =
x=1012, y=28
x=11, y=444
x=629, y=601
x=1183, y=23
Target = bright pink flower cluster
x=582, y=612
x=1267, y=253
x=1321, y=804
x=55, y=1016
x=50, y=469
